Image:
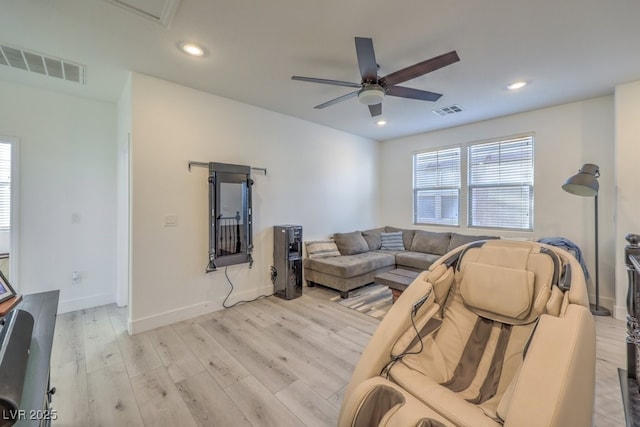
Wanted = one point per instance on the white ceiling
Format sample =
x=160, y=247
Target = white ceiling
x=568, y=50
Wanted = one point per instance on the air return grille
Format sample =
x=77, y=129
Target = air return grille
x=452, y=109
x=41, y=64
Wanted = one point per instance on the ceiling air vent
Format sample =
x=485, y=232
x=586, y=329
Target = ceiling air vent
x=159, y=11
x=452, y=109
x=41, y=64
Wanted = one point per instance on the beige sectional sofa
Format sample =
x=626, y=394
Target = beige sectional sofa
x=361, y=255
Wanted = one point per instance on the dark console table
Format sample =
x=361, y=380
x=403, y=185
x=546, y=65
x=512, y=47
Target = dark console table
x=36, y=393
x=629, y=378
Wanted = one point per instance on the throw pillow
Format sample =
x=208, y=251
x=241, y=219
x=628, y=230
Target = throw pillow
x=392, y=241
x=322, y=249
x=430, y=242
x=351, y=243
x=407, y=235
x=373, y=238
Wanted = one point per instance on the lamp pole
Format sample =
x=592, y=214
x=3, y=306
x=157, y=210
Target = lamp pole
x=596, y=309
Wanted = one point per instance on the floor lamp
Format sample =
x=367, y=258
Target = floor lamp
x=585, y=184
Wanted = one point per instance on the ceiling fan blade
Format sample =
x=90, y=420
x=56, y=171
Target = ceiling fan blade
x=375, y=110
x=336, y=100
x=326, y=81
x=366, y=59
x=407, y=92
x=419, y=69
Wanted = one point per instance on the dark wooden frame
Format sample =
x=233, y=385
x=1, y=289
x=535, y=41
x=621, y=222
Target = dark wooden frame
x=9, y=292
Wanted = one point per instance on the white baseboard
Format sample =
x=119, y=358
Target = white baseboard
x=143, y=324
x=75, y=304
x=620, y=312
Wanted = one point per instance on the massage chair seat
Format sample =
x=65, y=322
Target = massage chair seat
x=495, y=333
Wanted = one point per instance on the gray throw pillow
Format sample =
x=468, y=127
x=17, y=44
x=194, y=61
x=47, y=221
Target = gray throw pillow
x=373, y=238
x=392, y=241
x=407, y=235
x=351, y=243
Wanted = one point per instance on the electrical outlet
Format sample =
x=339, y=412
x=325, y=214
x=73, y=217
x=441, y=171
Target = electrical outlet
x=171, y=220
x=75, y=218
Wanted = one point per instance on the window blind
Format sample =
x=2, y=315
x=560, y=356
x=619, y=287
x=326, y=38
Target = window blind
x=500, y=184
x=436, y=187
x=5, y=186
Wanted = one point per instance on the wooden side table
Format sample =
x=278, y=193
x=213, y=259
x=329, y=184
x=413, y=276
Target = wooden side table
x=397, y=280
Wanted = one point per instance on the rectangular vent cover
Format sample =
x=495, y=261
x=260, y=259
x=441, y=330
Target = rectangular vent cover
x=41, y=64
x=452, y=109
x=159, y=11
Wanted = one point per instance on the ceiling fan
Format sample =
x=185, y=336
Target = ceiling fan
x=372, y=89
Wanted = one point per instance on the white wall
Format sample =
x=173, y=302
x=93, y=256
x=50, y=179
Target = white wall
x=67, y=166
x=566, y=137
x=318, y=177
x=627, y=107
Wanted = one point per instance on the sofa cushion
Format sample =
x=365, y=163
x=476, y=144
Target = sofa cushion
x=322, y=249
x=373, y=238
x=416, y=260
x=430, y=242
x=391, y=241
x=351, y=243
x=407, y=235
x=463, y=239
x=351, y=265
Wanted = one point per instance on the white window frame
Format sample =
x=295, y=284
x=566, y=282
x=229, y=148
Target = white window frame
x=15, y=214
x=438, y=188
x=505, y=180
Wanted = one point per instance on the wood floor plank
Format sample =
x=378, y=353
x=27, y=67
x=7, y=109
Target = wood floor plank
x=215, y=358
x=175, y=355
x=138, y=353
x=159, y=401
x=71, y=398
x=101, y=347
x=209, y=404
x=68, y=340
x=258, y=360
x=111, y=399
x=261, y=407
x=258, y=314
x=322, y=371
x=309, y=407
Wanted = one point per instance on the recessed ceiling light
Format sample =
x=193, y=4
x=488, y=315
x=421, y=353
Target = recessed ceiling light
x=381, y=122
x=191, y=49
x=517, y=85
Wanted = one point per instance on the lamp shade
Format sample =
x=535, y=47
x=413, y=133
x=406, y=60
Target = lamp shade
x=585, y=182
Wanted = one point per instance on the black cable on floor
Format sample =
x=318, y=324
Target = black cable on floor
x=224, y=303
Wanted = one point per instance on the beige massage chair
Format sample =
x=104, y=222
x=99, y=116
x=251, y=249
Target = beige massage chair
x=495, y=333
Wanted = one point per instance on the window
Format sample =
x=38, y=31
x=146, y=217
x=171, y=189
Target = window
x=5, y=186
x=436, y=187
x=500, y=184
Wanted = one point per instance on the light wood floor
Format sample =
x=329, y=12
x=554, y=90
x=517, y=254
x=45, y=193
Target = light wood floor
x=266, y=363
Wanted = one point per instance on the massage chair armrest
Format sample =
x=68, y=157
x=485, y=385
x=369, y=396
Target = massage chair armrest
x=555, y=386
x=397, y=321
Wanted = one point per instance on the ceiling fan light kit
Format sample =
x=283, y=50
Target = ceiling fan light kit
x=371, y=95
x=373, y=88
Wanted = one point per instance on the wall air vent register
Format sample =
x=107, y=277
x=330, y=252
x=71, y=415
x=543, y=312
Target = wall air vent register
x=41, y=64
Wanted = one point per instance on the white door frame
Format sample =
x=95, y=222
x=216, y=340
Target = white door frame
x=123, y=231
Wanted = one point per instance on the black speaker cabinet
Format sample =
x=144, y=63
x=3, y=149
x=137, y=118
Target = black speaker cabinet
x=287, y=261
